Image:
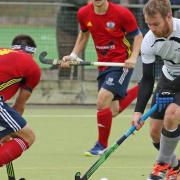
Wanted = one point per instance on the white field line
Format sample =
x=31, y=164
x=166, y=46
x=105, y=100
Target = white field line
x=67, y=116
x=60, y=168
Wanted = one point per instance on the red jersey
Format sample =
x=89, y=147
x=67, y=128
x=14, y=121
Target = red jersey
x=17, y=70
x=108, y=31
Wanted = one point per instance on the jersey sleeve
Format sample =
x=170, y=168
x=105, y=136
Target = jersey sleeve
x=129, y=23
x=32, y=77
x=80, y=17
x=147, y=51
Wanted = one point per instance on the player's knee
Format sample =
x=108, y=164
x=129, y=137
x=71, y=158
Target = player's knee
x=172, y=116
x=102, y=104
x=155, y=134
x=31, y=139
x=27, y=135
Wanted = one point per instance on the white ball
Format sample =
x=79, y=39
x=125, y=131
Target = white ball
x=103, y=178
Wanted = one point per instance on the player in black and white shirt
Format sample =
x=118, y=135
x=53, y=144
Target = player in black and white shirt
x=163, y=39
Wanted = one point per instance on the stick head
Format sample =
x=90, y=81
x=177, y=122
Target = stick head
x=78, y=176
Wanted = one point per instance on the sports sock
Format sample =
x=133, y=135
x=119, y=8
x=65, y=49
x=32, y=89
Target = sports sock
x=104, y=120
x=127, y=100
x=174, y=160
x=168, y=143
x=12, y=150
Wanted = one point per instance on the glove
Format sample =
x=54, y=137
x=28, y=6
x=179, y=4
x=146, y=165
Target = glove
x=163, y=99
x=67, y=60
x=71, y=57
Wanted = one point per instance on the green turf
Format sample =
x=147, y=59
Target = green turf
x=64, y=134
x=45, y=38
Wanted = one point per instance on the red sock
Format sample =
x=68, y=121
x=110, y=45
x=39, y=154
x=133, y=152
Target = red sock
x=104, y=120
x=12, y=150
x=127, y=100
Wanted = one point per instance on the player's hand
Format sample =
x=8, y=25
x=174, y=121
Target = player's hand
x=130, y=62
x=136, y=120
x=65, y=63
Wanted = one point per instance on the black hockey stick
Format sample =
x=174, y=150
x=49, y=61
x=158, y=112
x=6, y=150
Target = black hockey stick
x=113, y=147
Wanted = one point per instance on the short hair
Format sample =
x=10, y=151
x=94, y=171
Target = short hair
x=152, y=7
x=25, y=43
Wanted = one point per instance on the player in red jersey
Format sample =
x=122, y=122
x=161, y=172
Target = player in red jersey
x=18, y=72
x=108, y=25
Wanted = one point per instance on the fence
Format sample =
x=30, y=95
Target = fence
x=41, y=20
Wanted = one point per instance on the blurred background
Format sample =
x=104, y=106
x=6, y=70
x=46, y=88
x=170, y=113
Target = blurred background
x=53, y=25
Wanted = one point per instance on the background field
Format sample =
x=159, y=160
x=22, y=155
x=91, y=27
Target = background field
x=45, y=38
x=64, y=133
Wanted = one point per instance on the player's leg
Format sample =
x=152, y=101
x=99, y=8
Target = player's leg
x=156, y=120
x=120, y=105
x=113, y=86
x=169, y=139
x=165, y=139
x=15, y=126
x=129, y=98
x=104, y=121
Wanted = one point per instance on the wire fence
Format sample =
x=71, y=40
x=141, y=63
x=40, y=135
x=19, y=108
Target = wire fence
x=54, y=27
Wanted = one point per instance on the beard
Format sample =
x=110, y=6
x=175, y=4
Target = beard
x=166, y=30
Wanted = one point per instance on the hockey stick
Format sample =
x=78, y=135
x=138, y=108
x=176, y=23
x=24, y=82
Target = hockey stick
x=78, y=62
x=113, y=147
x=10, y=172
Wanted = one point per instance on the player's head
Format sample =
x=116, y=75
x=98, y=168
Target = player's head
x=25, y=43
x=158, y=16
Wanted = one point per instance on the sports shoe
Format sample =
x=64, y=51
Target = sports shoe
x=159, y=171
x=173, y=173
x=98, y=149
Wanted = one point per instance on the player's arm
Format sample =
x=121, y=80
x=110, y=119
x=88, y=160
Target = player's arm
x=144, y=93
x=145, y=87
x=30, y=81
x=21, y=99
x=131, y=61
x=79, y=46
x=81, y=42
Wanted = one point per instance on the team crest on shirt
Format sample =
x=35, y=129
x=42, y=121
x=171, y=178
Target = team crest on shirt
x=110, y=26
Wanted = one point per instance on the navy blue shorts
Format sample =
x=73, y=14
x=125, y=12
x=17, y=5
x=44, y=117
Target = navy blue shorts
x=10, y=120
x=116, y=82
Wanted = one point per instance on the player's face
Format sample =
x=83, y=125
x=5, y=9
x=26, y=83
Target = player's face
x=99, y=3
x=161, y=27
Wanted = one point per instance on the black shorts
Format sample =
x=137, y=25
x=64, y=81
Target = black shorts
x=165, y=84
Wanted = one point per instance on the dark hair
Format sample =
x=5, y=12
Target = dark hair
x=25, y=43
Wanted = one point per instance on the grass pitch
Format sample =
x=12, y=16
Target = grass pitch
x=64, y=133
